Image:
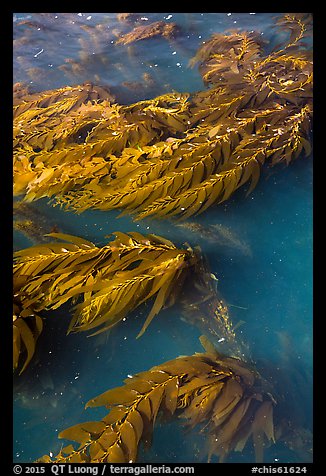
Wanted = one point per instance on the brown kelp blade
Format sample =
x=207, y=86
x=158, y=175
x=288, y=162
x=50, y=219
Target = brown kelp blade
x=27, y=327
x=175, y=155
x=106, y=283
x=206, y=389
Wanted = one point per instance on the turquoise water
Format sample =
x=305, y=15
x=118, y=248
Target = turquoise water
x=267, y=282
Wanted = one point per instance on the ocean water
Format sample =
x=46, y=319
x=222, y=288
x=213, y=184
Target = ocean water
x=264, y=275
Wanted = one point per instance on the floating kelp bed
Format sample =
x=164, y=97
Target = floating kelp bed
x=170, y=157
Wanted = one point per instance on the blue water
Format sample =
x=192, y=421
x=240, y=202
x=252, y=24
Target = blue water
x=269, y=289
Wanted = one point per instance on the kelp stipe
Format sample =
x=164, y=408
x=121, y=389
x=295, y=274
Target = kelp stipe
x=220, y=395
x=176, y=155
x=203, y=306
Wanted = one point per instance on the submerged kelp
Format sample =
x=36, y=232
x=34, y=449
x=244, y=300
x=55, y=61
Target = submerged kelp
x=174, y=155
x=107, y=283
x=177, y=154
x=33, y=224
x=79, y=95
x=27, y=327
x=94, y=37
x=158, y=28
x=220, y=236
x=218, y=394
x=112, y=280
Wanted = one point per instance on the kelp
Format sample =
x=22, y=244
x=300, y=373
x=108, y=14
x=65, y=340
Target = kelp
x=84, y=155
x=236, y=60
x=172, y=156
x=220, y=235
x=79, y=94
x=27, y=327
x=220, y=396
x=203, y=306
x=127, y=17
x=33, y=224
x=53, y=27
x=176, y=155
x=90, y=36
x=105, y=283
x=144, y=32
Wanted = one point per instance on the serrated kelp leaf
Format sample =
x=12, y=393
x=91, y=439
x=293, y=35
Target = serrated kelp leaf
x=201, y=405
x=144, y=407
x=208, y=345
x=231, y=424
x=160, y=240
x=156, y=376
x=216, y=187
x=68, y=449
x=96, y=451
x=116, y=413
x=165, y=286
x=255, y=174
x=27, y=328
x=140, y=385
x=186, y=365
x=263, y=420
x=76, y=458
x=198, y=382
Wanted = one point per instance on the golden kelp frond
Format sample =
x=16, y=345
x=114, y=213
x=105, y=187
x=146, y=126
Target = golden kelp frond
x=225, y=57
x=254, y=79
x=106, y=283
x=235, y=61
x=59, y=124
x=98, y=132
x=46, y=181
x=177, y=154
x=127, y=17
x=284, y=142
x=192, y=174
x=221, y=395
x=81, y=94
x=27, y=327
x=299, y=24
x=158, y=28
